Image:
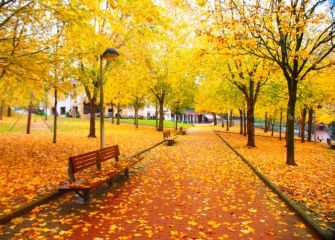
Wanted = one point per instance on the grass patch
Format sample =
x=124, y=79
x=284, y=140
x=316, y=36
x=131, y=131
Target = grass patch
x=64, y=124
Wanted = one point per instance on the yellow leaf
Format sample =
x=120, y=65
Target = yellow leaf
x=300, y=225
x=214, y=224
x=192, y=223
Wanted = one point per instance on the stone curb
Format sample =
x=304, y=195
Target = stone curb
x=309, y=221
x=30, y=206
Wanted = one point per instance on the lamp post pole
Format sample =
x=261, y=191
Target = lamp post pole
x=102, y=132
x=109, y=53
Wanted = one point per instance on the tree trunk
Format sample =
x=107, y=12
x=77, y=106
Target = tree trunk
x=92, y=118
x=176, y=121
x=227, y=122
x=244, y=123
x=214, y=119
x=54, y=140
x=9, y=111
x=30, y=109
x=310, y=124
x=118, y=115
x=272, y=125
x=222, y=122
x=303, y=124
x=241, y=121
x=46, y=109
x=231, y=122
x=251, y=125
x=290, y=120
x=266, y=126
x=156, y=112
x=161, y=115
x=112, y=104
x=280, y=122
x=1, y=109
x=136, y=116
x=299, y=127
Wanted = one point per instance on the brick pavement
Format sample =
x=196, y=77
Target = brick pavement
x=197, y=189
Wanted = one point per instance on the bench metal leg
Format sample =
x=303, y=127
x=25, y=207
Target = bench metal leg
x=170, y=142
x=86, y=196
x=110, y=182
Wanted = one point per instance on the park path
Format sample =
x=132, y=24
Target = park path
x=196, y=189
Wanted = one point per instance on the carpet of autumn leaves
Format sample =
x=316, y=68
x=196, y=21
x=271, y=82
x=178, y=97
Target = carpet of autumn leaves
x=31, y=166
x=311, y=183
x=196, y=189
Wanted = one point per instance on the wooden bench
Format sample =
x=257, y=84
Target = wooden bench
x=167, y=137
x=329, y=142
x=96, y=177
x=182, y=131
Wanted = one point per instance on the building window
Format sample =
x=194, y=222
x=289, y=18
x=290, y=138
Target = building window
x=62, y=111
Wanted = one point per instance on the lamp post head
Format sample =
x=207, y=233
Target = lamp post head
x=110, y=53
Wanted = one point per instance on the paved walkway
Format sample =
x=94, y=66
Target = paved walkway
x=197, y=189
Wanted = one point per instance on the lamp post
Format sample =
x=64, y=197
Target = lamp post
x=109, y=54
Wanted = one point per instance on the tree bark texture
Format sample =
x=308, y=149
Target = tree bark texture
x=136, y=116
x=161, y=115
x=266, y=126
x=1, y=110
x=244, y=123
x=290, y=120
x=9, y=111
x=251, y=125
x=54, y=140
x=310, y=124
x=156, y=112
x=227, y=122
x=118, y=115
x=280, y=122
x=272, y=125
x=92, y=103
x=231, y=121
x=30, y=109
x=112, y=104
x=303, y=124
x=241, y=121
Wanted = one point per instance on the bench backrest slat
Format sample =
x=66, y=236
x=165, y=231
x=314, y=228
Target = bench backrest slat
x=82, y=161
x=108, y=153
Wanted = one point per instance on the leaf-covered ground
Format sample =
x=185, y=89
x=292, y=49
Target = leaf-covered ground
x=311, y=183
x=31, y=166
x=196, y=189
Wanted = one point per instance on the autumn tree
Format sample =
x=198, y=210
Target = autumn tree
x=297, y=36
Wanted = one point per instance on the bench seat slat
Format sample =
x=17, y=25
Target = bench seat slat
x=86, y=154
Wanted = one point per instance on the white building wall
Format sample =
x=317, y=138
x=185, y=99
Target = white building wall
x=67, y=105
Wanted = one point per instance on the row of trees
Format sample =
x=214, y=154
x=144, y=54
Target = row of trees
x=53, y=47
x=230, y=54
x=274, y=52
